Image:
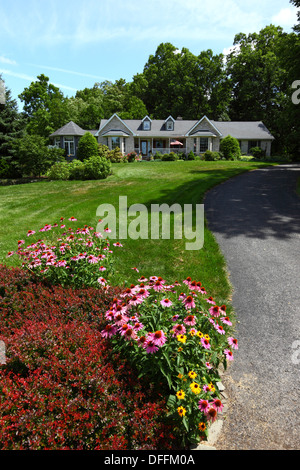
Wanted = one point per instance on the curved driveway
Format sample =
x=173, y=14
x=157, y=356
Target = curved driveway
x=255, y=218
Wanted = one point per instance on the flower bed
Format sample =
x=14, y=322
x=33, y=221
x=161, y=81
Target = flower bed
x=95, y=367
x=61, y=387
x=178, y=338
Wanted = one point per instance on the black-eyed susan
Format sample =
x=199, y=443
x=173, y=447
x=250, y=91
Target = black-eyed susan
x=181, y=338
x=202, y=426
x=181, y=411
x=195, y=388
x=199, y=334
x=180, y=394
x=192, y=374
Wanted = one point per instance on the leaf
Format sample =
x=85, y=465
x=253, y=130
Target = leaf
x=171, y=403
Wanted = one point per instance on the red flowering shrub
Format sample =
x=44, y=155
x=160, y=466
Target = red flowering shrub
x=61, y=388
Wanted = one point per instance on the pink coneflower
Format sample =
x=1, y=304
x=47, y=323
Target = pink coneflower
x=158, y=286
x=107, y=230
x=81, y=255
x=108, y=331
x=102, y=281
x=205, y=343
x=210, y=300
x=72, y=219
x=118, y=244
x=21, y=242
x=136, y=300
x=233, y=342
x=166, y=303
x=150, y=347
x=30, y=232
x=135, y=269
x=190, y=320
x=178, y=329
x=142, y=341
x=187, y=281
x=143, y=293
x=202, y=290
x=175, y=317
x=228, y=354
x=74, y=258
x=62, y=263
x=220, y=329
x=217, y=404
x=158, y=338
x=203, y=405
x=130, y=334
x=9, y=254
x=215, y=311
x=211, y=414
x=226, y=321
x=92, y=259
x=189, y=302
x=138, y=326
x=223, y=308
x=182, y=296
x=120, y=319
x=123, y=328
x=102, y=268
x=208, y=365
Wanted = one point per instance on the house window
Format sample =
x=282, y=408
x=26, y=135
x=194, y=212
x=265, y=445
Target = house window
x=170, y=125
x=69, y=145
x=203, y=144
x=115, y=142
x=253, y=143
x=56, y=142
x=146, y=125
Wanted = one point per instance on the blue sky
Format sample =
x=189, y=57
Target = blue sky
x=78, y=43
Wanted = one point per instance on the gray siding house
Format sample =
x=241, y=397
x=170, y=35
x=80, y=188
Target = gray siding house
x=149, y=136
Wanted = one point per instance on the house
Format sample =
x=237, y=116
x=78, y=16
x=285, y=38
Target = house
x=148, y=136
x=67, y=137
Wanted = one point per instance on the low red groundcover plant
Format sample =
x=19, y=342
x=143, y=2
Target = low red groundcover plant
x=61, y=388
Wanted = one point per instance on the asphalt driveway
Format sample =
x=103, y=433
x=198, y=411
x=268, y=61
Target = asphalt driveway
x=255, y=218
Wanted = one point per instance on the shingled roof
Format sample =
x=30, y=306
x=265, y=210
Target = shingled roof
x=71, y=129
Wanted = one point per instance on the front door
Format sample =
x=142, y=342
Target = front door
x=144, y=147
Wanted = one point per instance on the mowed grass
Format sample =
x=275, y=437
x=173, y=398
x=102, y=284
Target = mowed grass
x=31, y=206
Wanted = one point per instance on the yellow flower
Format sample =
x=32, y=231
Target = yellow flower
x=180, y=349
x=181, y=338
x=207, y=337
x=211, y=388
x=180, y=394
x=180, y=376
x=195, y=388
x=192, y=374
x=181, y=411
x=199, y=334
x=202, y=426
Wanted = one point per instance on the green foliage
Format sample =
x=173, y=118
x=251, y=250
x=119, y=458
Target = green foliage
x=210, y=156
x=87, y=147
x=230, y=148
x=96, y=168
x=34, y=156
x=257, y=152
x=59, y=171
x=77, y=169
x=103, y=150
x=191, y=155
x=169, y=157
x=115, y=155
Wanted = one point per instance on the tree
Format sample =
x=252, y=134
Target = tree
x=180, y=83
x=87, y=147
x=11, y=128
x=34, y=156
x=259, y=80
x=44, y=107
x=230, y=147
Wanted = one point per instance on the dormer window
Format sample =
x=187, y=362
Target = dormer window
x=169, y=124
x=146, y=124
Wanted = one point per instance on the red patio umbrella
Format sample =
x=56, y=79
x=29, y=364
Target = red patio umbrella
x=176, y=142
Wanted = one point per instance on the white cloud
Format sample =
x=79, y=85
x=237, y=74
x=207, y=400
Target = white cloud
x=71, y=72
x=5, y=60
x=29, y=78
x=287, y=17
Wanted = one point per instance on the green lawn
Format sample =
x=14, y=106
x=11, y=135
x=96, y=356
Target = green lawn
x=30, y=206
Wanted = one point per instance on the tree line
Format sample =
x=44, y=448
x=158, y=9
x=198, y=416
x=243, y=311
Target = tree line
x=254, y=82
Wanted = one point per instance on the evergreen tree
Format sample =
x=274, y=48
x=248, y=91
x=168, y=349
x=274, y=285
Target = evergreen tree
x=11, y=129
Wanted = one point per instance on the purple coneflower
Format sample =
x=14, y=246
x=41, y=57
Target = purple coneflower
x=166, y=302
